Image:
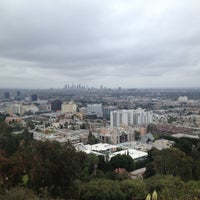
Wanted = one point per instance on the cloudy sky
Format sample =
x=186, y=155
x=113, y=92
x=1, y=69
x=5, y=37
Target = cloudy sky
x=127, y=43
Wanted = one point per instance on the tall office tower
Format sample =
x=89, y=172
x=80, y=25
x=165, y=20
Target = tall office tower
x=6, y=95
x=56, y=105
x=95, y=109
x=34, y=97
x=18, y=96
x=18, y=93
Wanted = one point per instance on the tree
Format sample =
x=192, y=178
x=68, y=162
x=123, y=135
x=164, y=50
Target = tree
x=92, y=161
x=101, y=189
x=173, y=162
x=184, y=145
x=5, y=166
x=133, y=189
x=19, y=165
x=196, y=166
x=137, y=135
x=151, y=128
x=120, y=176
x=167, y=187
x=2, y=117
x=150, y=170
x=103, y=164
x=193, y=191
x=91, y=138
x=26, y=136
x=19, y=193
x=8, y=142
x=53, y=166
x=122, y=161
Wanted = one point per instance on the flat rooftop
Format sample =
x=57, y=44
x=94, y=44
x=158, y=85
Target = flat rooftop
x=102, y=147
x=135, y=154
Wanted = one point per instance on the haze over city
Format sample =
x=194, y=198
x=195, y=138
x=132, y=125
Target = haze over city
x=115, y=43
x=100, y=99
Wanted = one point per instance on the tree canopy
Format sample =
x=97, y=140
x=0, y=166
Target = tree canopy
x=30, y=168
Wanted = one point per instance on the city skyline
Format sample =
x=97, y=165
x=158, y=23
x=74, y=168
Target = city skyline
x=128, y=44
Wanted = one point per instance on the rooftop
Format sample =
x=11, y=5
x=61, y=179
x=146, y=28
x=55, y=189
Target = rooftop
x=135, y=154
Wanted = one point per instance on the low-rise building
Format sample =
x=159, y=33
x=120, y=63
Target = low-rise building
x=116, y=135
x=138, y=174
x=133, y=153
x=108, y=151
x=162, y=144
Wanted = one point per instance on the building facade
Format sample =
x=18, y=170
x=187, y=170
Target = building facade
x=56, y=105
x=116, y=135
x=34, y=97
x=70, y=107
x=21, y=109
x=122, y=118
x=95, y=109
x=107, y=110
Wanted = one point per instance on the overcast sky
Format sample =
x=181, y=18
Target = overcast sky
x=127, y=43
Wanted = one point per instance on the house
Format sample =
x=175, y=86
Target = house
x=138, y=174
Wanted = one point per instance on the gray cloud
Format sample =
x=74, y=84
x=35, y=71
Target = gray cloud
x=129, y=43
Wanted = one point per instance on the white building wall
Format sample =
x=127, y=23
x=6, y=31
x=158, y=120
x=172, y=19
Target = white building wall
x=130, y=117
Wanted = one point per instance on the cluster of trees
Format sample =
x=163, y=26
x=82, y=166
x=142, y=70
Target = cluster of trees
x=166, y=187
x=49, y=170
x=183, y=159
x=171, y=162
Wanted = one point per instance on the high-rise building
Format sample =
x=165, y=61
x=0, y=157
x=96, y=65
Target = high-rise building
x=56, y=105
x=107, y=110
x=95, y=109
x=119, y=118
x=18, y=96
x=34, y=97
x=70, y=107
x=18, y=93
x=6, y=95
x=130, y=117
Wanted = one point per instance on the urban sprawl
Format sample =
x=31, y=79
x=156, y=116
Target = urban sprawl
x=105, y=121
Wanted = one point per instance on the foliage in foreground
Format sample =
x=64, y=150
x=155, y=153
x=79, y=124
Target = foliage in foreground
x=48, y=170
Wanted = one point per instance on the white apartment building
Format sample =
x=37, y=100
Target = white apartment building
x=122, y=118
x=182, y=99
x=70, y=107
x=95, y=109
